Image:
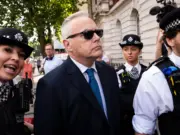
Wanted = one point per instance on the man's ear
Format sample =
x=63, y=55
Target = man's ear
x=170, y=42
x=67, y=45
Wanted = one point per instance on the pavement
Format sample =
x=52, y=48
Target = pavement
x=36, y=77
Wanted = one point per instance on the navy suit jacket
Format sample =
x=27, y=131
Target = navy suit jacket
x=66, y=105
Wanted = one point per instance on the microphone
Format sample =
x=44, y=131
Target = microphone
x=155, y=10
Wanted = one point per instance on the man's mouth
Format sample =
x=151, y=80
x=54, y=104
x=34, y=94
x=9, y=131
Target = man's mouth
x=98, y=47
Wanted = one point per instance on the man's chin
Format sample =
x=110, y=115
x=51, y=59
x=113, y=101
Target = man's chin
x=99, y=53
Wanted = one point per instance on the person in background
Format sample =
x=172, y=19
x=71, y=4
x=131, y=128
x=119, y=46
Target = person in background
x=32, y=61
x=161, y=48
x=80, y=97
x=129, y=75
x=104, y=59
x=30, y=126
x=27, y=69
x=38, y=64
x=50, y=62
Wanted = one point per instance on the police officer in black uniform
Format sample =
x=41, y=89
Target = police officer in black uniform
x=14, y=50
x=128, y=76
x=158, y=92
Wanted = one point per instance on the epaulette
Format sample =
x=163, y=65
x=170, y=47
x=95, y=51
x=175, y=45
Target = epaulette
x=159, y=61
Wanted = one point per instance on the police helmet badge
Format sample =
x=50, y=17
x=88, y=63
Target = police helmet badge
x=130, y=39
x=18, y=37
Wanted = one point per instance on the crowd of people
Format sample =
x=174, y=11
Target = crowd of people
x=85, y=95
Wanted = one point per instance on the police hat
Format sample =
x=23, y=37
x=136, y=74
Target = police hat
x=131, y=39
x=12, y=36
x=171, y=21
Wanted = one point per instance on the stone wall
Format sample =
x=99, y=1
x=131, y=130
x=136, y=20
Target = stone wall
x=129, y=17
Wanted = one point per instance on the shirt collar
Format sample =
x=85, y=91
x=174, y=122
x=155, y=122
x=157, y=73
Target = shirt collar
x=83, y=68
x=129, y=67
x=175, y=59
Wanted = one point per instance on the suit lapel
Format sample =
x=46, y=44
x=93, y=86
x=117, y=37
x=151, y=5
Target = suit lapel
x=78, y=80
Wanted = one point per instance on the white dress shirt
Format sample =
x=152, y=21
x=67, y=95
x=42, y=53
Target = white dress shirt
x=128, y=68
x=83, y=69
x=51, y=64
x=153, y=97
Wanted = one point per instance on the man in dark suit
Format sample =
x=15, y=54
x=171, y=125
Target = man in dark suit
x=80, y=97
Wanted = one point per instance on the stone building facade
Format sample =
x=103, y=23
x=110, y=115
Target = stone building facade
x=121, y=17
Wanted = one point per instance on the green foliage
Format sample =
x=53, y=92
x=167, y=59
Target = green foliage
x=36, y=47
x=36, y=16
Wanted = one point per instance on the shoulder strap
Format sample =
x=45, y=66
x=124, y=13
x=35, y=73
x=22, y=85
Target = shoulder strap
x=165, y=63
x=162, y=62
x=121, y=67
x=143, y=66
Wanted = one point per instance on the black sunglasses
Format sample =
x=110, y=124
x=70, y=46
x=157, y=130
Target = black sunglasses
x=88, y=34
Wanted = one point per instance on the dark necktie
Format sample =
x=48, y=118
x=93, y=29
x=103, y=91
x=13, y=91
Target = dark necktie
x=94, y=85
x=4, y=92
x=134, y=73
x=49, y=58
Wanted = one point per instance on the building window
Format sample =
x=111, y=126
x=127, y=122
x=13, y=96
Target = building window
x=119, y=30
x=96, y=2
x=138, y=28
x=135, y=28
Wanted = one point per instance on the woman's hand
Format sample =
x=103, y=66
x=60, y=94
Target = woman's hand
x=30, y=126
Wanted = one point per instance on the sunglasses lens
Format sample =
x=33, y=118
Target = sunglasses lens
x=88, y=34
x=99, y=33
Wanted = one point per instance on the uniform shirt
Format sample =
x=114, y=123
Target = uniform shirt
x=17, y=79
x=51, y=64
x=83, y=69
x=128, y=68
x=153, y=97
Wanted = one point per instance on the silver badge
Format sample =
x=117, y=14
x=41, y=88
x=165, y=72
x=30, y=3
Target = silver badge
x=136, y=42
x=124, y=42
x=18, y=37
x=6, y=36
x=130, y=39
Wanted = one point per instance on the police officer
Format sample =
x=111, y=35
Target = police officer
x=158, y=92
x=14, y=50
x=128, y=77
